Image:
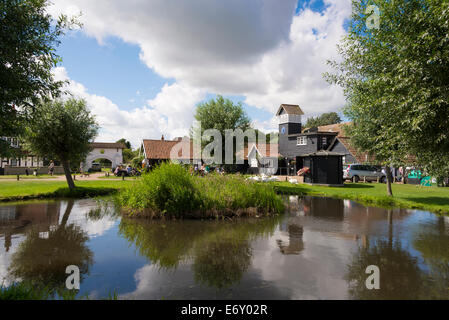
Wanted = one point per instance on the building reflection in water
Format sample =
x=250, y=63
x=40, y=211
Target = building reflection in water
x=49, y=244
x=295, y=242
x=17, y=220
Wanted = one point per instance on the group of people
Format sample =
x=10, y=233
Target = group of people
x=127, y=171
x=205, y=169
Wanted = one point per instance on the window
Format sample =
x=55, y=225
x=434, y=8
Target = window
x=324, y=141
x=254, y=163
x=302, y=141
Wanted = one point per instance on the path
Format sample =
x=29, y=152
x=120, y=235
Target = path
x=92, y=176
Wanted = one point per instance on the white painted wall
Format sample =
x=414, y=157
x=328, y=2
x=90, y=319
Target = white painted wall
x=114, y=155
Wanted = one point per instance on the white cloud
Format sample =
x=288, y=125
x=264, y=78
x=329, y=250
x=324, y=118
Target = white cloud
x=169, y=113
x=254, y=48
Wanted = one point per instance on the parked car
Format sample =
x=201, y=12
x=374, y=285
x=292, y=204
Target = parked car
x=96, y=167
x=357, y=172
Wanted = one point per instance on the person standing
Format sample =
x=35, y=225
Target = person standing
x=51, y=168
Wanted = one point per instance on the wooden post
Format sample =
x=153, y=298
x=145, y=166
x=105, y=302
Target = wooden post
x=18, y=177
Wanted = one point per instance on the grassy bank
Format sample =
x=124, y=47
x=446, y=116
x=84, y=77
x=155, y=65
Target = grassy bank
x=25, y=190
x=170, y=191
x=405, y=196
x=23, y=291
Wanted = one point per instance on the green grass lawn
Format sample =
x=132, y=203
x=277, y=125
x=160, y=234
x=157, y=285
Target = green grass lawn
x=112, y=177
x=405, y=196
x=32, y=189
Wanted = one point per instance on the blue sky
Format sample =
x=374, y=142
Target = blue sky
x=128, y=69
x=113, y=69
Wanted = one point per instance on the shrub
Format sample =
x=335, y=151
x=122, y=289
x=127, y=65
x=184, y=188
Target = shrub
x=168, y=188
x=171, y=190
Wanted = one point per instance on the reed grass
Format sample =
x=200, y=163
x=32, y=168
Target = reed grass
x=171, y=191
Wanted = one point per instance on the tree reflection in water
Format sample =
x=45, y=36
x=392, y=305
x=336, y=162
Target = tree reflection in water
x=220, y=250
x=42, y=262
x=400, y=275
x=220, y=262
x=432, y=242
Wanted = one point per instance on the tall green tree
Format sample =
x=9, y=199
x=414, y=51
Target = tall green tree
x=128, y=153
x=323, y=120
x=125, y=142
x=62, y=130
x=396, y=78
x=28, y=38
x=221, y=114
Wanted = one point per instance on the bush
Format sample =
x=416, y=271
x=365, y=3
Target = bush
x=170, y=190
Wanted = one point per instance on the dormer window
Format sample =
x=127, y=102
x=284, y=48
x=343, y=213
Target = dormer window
x=301, y=141
x=324, y=141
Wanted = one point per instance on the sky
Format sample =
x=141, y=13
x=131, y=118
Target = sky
x=144, y=65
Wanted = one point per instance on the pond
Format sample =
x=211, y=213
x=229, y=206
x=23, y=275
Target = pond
x=319, y=249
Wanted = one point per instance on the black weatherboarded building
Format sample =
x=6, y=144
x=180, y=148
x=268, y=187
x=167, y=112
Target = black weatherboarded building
x=323, y=168
x=320, y=150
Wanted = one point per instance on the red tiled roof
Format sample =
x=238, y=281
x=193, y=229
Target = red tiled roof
x=161, y=149
x=359, y=156
x=338, y=127
x=332, y=128
x=108, y=145
x=346, y=141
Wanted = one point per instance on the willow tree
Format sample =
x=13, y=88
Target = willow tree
x=395, y=76
x=62, y=130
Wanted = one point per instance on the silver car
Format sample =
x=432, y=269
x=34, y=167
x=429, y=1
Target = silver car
x=357, y=172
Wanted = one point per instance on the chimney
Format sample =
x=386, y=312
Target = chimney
x=162, y=138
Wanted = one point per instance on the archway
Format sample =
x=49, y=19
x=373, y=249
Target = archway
x=101, y=163
x=109, y=151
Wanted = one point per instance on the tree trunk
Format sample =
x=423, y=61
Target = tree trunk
x=388, y=173
x=67, y=212
x=68, y=175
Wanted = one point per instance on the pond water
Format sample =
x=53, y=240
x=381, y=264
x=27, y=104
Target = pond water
x=318, y=250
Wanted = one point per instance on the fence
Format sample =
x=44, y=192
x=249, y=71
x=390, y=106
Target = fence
x=10, y=170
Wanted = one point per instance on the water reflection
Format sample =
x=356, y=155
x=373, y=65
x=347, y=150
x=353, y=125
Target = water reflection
x=318, y=250
x=432, y=242
x=220, y=251
x=18, y=219
x=328, y=209
x=41, y=259
x=400, y=275
x=295, y=242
